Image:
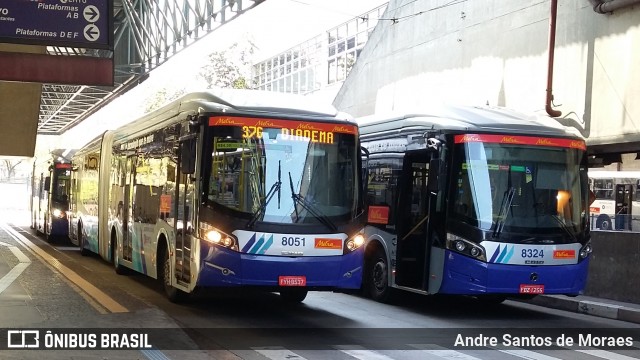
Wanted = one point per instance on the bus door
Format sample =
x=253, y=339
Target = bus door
x=41, y=205
x=624, y=197
x=127, y=211
x=184, y=225
x=413, y=220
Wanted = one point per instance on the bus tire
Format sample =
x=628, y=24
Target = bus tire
x=83, y=251
x=164, y=276
x=603, y=222
x=120, y=270
x=293, y=295
x=376, y=276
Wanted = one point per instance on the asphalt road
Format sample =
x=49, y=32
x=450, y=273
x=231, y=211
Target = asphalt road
x=224, y=324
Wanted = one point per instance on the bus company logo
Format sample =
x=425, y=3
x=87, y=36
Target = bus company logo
x=578, y=145
x=471, y=138
x=306, y=126
x=328, y=243
x=510, y=140
x=546, y=142
x=564, y=254
x=224, y=121
x=266, y=124
x=378, y=215
x=343, y=129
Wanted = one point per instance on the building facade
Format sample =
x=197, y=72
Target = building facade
x=319, y=65
x=497, y=52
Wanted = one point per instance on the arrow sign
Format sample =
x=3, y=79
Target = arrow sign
x=91, y=32
x=91, y=13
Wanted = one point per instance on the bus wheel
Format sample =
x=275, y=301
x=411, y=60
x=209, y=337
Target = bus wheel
x=294, y=295
x=603, y=222
x=83, y=251
x=164, y=275
x=377, y=276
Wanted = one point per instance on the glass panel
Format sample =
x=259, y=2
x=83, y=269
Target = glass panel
x=321, y=166
x=529, y=189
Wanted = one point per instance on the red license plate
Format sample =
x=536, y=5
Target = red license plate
x=531, y=289
x=292, y=280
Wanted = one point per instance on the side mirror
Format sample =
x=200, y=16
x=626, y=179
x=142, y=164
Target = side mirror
x=47, y=183
x=188, y=155
x=434, y=175
x=364, y=153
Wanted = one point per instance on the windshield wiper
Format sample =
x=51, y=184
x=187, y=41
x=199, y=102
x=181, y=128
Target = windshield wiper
x=564, y=227
x=504, y=211
x=274, y=188
x=299, y=199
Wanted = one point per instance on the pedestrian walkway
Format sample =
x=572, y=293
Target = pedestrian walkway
x=34, y=296
x=591, y=306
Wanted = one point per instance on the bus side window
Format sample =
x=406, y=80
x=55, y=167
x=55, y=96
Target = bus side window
x=382, y=189
x=603, y=188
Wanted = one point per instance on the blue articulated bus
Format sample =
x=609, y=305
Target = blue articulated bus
x=49, y=203
x=227, y=189
x=475, y=201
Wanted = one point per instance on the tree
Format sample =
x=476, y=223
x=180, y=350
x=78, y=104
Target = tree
x=229, y=68
x=10, y=168
x=162, y=97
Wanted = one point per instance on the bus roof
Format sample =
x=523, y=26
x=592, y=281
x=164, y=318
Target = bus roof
x=233, y=102
x=467, y=118
x=253, y=102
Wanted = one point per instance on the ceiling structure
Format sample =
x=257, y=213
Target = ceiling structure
x=146, y=34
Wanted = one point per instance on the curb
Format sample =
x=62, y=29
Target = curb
x=588, y=307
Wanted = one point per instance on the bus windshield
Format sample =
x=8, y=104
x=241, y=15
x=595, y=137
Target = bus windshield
x=61, y=183
x=516, y=188
x=269, y=175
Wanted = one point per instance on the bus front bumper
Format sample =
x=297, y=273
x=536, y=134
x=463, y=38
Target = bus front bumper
x=223, y=267
x=464, y=275
x=59, y=226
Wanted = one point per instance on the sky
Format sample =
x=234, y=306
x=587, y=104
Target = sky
x=273, y=26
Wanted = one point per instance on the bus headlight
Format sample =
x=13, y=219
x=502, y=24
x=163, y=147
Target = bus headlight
x=586, y=250
x=353, y=243
x=217, y=237
x=465, y=247
x=60, y=214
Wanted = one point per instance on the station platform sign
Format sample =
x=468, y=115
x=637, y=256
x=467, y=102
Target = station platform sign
x=68, y=23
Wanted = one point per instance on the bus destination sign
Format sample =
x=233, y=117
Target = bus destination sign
x=72, y=23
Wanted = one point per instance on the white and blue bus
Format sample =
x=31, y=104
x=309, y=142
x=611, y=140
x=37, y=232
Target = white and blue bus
x=227, y=189
x=617, y=203
x=474, y=201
